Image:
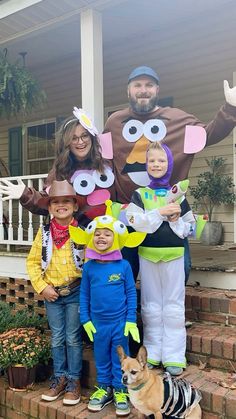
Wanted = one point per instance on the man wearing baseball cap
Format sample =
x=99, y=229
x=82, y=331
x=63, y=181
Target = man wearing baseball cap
x=144, y=121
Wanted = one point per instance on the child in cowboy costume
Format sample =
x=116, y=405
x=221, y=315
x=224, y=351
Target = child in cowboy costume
x=54, y=266
x=162, y=261
x=108, y=303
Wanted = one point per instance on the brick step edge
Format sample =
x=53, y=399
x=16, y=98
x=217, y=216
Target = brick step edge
x=217, y=401
x=217, y=344
x=208, y=304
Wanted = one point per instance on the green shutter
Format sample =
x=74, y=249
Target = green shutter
x=15, y=151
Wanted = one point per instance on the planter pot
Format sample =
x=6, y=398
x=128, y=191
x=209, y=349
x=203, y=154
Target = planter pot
x=20, y=377
x=212, y=233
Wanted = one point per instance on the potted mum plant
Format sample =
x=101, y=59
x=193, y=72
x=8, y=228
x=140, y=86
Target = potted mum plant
x=21, y=350
x=213, y=188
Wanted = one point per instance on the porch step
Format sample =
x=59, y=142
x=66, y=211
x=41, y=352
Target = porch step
x=213, y=345
x=211, y=305
x=218, y=400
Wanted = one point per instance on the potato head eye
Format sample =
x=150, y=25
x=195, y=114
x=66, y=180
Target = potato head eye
x=132, y=130
x=104, y=180
x=84, y=184
x=91, y=227
x=119, y=227
x=154, y=130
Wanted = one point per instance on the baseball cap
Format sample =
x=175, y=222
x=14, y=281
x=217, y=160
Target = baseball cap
x=143, y=71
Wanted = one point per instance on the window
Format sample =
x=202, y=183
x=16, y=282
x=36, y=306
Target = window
x=39, y=149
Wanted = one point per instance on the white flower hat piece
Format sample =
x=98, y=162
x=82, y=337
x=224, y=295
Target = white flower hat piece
x=85, y=120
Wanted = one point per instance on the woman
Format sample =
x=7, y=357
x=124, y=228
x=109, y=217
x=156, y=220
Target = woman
x=78, y=160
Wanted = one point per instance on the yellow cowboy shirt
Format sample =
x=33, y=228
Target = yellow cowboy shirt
x=60, y=271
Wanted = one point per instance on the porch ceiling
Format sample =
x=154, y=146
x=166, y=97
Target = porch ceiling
x=50, y=29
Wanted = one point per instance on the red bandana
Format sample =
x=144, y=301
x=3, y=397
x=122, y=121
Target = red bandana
x=60, y=234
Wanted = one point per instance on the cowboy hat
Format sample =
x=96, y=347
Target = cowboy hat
x=58, y=188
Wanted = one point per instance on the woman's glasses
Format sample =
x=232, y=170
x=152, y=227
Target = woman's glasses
x=85, y=137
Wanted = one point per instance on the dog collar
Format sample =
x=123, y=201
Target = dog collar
x=138, y=387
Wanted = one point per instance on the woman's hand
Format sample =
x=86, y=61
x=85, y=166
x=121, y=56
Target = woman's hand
x=11, y=190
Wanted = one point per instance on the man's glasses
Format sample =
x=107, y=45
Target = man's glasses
x=83, y=137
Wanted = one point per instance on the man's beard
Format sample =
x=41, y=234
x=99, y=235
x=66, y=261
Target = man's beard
x=143, y=107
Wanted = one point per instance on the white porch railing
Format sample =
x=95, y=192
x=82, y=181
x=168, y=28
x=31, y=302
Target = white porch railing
x=21, y=225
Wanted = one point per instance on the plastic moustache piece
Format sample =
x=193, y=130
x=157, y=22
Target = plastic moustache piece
x=177, y=191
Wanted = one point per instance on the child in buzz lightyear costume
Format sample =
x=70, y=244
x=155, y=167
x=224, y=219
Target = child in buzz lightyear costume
x=108, y=303
x=167, y=221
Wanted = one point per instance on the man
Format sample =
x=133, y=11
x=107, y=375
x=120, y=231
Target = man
x=133, y=128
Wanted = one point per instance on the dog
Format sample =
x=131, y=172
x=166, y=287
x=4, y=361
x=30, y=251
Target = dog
x=153, y=394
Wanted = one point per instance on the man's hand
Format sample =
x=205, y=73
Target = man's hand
x=230, y=94
x=11, y=190
x=89, y=329
x=49, y=294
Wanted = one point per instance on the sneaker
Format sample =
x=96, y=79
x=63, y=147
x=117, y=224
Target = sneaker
x=151, y=365
x=174, y=370
x=100, y=398
x=56, y=389
x=73, y=392
x=121, y=403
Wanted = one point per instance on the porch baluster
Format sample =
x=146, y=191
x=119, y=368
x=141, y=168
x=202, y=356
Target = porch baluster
x=20, y=226
x=30, y=227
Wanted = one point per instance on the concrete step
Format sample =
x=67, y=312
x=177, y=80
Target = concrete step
x=218, y=399
x=212, y=344
x=211, y=305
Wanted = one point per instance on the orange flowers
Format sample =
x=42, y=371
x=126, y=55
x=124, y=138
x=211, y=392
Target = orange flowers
x=26, y=346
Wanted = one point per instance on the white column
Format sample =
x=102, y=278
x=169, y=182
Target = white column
x=92, y=66
x=234, y=163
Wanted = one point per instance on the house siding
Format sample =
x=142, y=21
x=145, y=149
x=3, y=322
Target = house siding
x=192, y=57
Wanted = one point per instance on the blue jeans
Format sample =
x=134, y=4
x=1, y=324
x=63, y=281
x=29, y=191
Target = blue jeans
x=64, y=321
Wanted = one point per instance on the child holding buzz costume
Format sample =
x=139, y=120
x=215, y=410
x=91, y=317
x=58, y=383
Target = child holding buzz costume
x=162, y=260
x=108, y=303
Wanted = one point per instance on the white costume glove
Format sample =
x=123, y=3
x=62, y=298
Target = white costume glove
x=11, y=190
x=230, y=94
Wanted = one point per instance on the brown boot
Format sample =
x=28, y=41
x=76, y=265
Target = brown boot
x=73, y=392
x=57, y=387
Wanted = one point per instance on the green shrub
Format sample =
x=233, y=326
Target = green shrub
x=22, y=318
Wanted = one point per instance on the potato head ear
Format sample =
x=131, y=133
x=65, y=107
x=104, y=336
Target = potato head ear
x=78, y=235
x=134, y=239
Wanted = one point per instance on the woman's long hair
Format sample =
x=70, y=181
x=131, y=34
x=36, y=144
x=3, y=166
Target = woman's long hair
x=65, y=163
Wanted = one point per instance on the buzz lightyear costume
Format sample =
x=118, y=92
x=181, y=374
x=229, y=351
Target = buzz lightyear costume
x=108, y=296
x=162, y=270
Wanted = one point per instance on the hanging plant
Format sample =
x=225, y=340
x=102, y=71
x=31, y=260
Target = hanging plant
x=20, y=92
